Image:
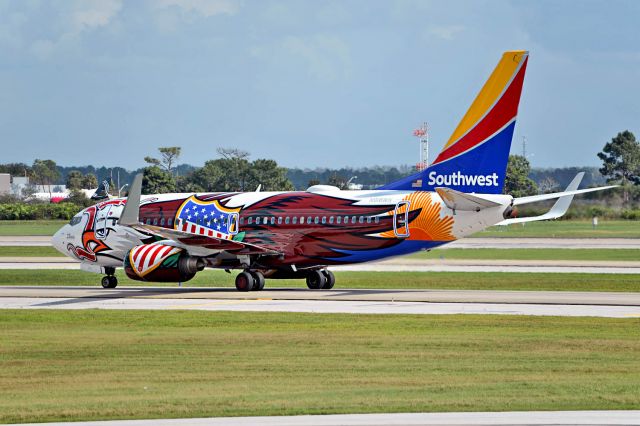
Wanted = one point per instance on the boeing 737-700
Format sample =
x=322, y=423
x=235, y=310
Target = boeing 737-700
x=280, y=235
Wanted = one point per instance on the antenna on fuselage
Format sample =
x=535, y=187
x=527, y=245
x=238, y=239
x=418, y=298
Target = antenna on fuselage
x=130, y=214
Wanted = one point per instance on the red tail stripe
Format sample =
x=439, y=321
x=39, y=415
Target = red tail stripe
x=502, y=112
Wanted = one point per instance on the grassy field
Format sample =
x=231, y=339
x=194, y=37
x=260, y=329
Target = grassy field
x=371, y=280
x=30, y=227
x=550, y=229
x=567, y=229
x=90, y=365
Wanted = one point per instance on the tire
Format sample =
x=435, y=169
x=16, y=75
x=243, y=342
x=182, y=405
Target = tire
x=245, y=282
x=316, y=280
x=330, y=279
x=259, y=281
x=109, y=281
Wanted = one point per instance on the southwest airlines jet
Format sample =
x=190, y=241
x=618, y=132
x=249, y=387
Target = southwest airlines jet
x=284, y=235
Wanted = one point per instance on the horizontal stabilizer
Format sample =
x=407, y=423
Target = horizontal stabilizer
x=462, y=201
x=559, y=208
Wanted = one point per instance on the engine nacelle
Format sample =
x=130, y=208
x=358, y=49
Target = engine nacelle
x=159, y=262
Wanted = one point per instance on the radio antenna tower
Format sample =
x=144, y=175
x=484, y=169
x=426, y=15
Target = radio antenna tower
x=524, y=146
x=422, y=133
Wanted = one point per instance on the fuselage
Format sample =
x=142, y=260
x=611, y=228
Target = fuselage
x=303, y=229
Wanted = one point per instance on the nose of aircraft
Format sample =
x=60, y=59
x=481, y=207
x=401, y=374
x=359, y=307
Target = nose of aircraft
x=59, y=241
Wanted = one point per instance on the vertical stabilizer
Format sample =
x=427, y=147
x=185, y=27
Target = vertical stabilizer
x=474, y=159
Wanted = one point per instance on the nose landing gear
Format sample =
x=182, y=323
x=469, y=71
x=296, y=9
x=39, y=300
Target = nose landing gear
x=109, y=281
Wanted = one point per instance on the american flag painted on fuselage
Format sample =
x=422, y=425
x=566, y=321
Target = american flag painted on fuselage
x=207, y=218
x=146, y=258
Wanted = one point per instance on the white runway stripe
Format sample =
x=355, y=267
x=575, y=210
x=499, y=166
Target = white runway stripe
x=322, y=306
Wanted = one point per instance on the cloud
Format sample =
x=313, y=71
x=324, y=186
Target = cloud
x=206, y=8
x=91, y=14
x=327, y=57
x=445, y=32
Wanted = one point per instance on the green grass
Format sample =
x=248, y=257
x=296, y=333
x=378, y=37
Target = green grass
x=567, y=229
x=30, y=227
x=95, y=365
x=531, y=254
x=29, y=251
x=364, y=280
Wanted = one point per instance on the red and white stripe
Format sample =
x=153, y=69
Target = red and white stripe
x=192, y=228
x=146, y=258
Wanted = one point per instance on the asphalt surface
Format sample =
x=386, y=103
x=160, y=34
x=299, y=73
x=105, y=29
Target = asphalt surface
x=438, y=302
x=404, y=264
x=532, y=418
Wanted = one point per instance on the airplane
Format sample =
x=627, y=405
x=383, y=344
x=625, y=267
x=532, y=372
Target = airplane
x=298, y=234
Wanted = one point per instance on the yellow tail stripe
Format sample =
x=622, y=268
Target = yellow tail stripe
x=489, y=94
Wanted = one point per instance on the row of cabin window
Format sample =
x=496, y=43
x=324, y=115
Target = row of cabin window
x=266, y=220
x=161, y=222
x=338, y=220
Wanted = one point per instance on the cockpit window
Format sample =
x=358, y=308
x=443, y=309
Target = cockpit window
x=75, y=220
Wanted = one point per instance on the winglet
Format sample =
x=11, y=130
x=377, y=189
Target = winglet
x=131, y=210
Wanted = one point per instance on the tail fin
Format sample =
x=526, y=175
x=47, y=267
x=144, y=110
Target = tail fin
x=475, y=157
x=102, y=192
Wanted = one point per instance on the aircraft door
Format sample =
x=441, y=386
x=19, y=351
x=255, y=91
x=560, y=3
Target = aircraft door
x=401, y=219
x=233, y=223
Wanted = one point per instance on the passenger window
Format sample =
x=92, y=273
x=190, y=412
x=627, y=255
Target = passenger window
x=377, y=219
x=170, y=221
x=361, y=219
x=324, y=220
x=257, y=221
x=331, y=220
x=273, y=220
x=368, y=219
x=265, y=220
x=286, y=220
x=280, y=220
x=155, y=221
x=162, y=221
x=317, y=220
x=339, y=220
x=301, y=220
x=353, y=219
x=309, y=220
x=346, y=220
x=250, y=220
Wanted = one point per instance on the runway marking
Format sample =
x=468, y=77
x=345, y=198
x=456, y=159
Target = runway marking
x=217, y=303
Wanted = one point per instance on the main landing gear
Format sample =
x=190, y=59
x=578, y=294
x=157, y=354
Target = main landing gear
x=250, y=280
x=321, y=279
x=109, y=281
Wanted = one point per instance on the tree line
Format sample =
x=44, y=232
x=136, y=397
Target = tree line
x=235, y=171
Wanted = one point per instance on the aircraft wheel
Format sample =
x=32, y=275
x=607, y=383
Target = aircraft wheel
x=259, y=280
x=316, y=280
x=109, y=281
x=245, y=281
x=330, y=279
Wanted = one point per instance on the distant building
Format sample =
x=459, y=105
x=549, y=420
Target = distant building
x=5, y=183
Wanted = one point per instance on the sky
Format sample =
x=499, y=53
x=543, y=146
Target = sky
x=308, y=83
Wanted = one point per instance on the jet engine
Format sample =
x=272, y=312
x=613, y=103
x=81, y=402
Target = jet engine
x=160, y=262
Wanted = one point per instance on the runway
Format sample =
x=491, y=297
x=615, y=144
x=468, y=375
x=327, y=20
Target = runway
x=354, y=301
x=531, y=418
x=404, y=264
